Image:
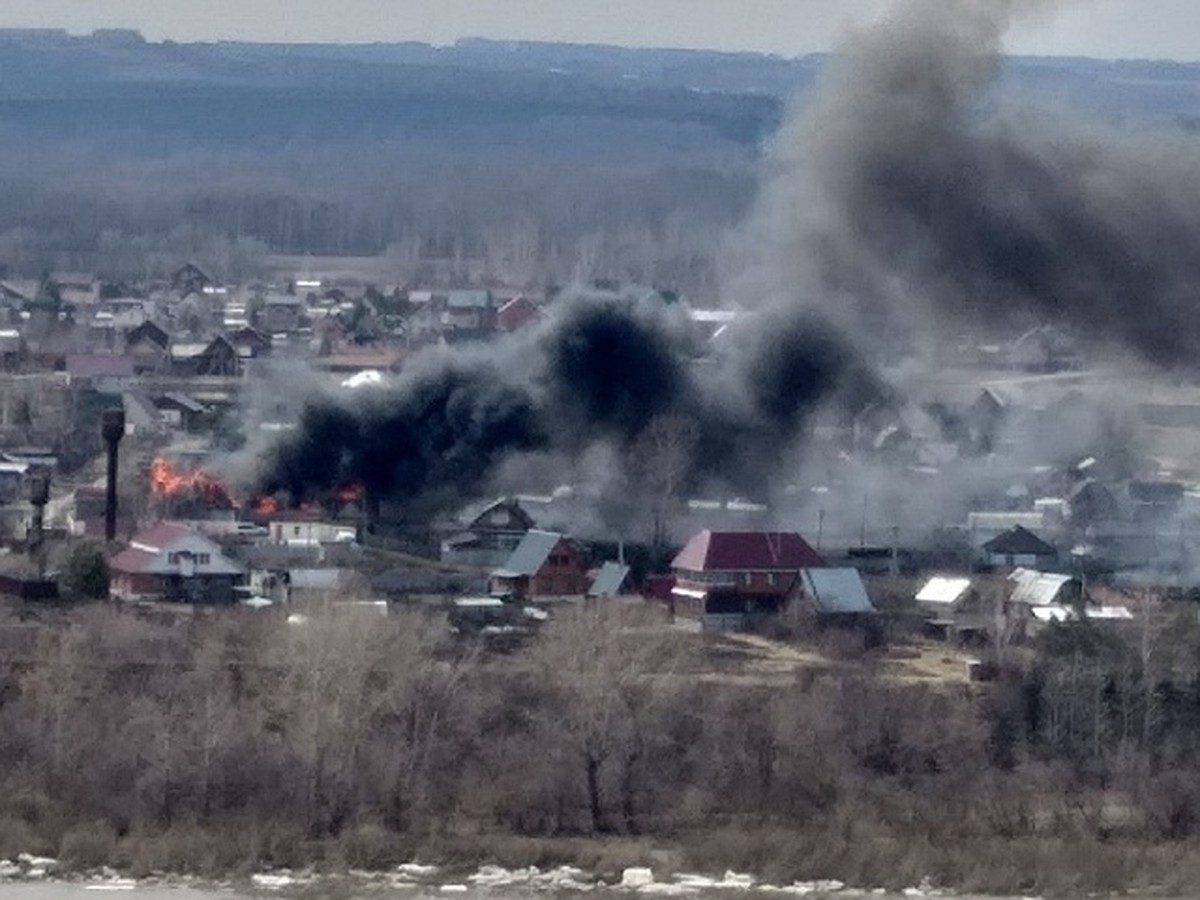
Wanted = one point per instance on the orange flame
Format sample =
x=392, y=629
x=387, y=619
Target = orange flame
x=167, y=481
x=349, y=493
x=266, y=505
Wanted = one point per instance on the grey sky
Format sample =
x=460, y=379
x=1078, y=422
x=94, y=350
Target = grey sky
x=1107, y=28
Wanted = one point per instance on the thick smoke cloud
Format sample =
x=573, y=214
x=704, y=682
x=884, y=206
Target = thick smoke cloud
x=600, y=372
x=904, y=201
x=907, y=192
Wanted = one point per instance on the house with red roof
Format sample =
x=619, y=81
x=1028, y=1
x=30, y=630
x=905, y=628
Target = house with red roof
x=172, y=562
x=739, y=579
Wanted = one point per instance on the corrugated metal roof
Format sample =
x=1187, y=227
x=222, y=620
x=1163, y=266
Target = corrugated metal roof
x=943, y=590
x=609, y=580
x=837, y=591
x=529, y=555
x=1042, y=588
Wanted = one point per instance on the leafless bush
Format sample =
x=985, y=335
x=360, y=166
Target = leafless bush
x=226, y=745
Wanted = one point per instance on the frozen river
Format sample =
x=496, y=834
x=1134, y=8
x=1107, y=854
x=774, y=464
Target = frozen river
x=415, y=882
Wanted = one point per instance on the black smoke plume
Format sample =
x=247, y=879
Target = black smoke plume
x=601, y=371
x=908, y=193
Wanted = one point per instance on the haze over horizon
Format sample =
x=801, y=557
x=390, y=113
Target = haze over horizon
x=1152, y=29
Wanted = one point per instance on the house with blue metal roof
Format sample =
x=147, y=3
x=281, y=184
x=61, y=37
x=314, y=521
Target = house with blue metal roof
x=544, y=564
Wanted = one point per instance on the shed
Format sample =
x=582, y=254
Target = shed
x=610, y=580
x=942, y=596
x=836, y=592
x=1031, y=588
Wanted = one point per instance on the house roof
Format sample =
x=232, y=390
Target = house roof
x=1018, y=541
x=183, y=401
x=520, y=302
x=151, y=332
x=147, y=552
x=1091, y=489
x=472, y=516
x=138, y=406
x=943, y=590
x=188, y=351
x=711, y=551
x=245, y=334
x=1038, y=588
x=97, y=366
x=837, y=591
x=530, y=555
x=609, y=580
x=469, y=299
x=282, y=300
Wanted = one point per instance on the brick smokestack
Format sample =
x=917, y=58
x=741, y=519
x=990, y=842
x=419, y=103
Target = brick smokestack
x=112, y=429
x=39, y=495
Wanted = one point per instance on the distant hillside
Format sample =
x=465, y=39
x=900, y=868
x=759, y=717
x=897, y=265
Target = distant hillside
x=485, y=159
x=737, y=95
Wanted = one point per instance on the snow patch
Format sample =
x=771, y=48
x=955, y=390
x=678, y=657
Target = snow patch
x=416, y=870
x=272, y=881
x=636, y=878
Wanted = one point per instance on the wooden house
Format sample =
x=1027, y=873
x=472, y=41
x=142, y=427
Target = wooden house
x=544, y=564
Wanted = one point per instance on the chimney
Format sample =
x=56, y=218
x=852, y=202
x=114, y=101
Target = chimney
x=39, y=495
x=112, y=429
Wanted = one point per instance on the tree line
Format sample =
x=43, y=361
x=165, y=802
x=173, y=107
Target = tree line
x=241, y=740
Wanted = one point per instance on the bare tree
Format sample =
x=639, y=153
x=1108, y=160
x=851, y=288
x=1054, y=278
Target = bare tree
x=609, y=667
x=663, y=458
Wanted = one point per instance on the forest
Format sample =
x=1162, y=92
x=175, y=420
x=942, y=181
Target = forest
x=237, y=743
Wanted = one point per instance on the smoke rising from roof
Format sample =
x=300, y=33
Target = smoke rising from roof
x=600, y=371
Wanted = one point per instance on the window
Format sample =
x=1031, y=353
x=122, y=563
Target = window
x=296, y=531
x=771, y=579
x=173, y=559
x=746, y=578
x=203, y=559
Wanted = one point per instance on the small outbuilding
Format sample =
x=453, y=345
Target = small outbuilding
x=836, y=593
x=611, y=580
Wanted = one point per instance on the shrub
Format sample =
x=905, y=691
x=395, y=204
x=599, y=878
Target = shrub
x=88, y=846
x=86, y=575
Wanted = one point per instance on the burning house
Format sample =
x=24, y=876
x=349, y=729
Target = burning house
x=190, y=494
